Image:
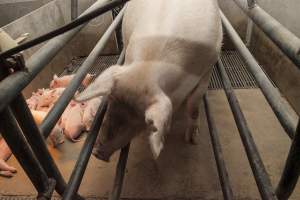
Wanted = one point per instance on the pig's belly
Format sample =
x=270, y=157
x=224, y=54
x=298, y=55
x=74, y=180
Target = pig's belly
x=183, y=90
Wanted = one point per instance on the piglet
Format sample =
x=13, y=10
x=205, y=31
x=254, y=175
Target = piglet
x=90, y=112
x=65, y=80
x=56, y=135
x=5, y=153
x=48, y=98
x=71, y=121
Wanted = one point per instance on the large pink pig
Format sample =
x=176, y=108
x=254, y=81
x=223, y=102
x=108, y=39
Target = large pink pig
x=171, y=47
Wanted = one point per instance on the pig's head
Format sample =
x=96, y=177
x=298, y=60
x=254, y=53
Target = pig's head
x=135, y=104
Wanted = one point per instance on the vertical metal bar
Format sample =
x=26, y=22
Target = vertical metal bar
x=85, y=153
x=272, y=95
x=74, y=9
x=14, y=138
x=222, y=171
x=36, y=141
x=249, y=32
x=291, y=172
x=120, y=173
x=260, y=174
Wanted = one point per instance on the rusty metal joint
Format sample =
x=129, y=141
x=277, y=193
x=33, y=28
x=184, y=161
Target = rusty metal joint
x=15, y=63
x=47, y=195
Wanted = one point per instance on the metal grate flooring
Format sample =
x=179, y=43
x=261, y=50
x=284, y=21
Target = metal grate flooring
x=236, y=69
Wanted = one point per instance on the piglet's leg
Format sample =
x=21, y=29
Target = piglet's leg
x=5, y=153
x=192, y=109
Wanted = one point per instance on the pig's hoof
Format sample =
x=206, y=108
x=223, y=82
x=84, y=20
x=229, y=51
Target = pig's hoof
x=99, y=155
x=191, y=135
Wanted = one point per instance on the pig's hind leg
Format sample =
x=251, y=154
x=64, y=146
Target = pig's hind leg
x=193, y=109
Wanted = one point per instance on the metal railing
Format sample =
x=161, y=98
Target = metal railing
x=290, y=46
x=26, y=142
x=26, y=139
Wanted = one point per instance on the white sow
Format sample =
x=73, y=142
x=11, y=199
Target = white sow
x=171, y=47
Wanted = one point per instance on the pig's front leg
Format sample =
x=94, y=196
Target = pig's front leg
x=192, y=109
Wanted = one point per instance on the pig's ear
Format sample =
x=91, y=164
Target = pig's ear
x=158, y=118
x=102, y=85
x=55, y=77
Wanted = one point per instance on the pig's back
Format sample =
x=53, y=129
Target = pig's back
x=165, y=30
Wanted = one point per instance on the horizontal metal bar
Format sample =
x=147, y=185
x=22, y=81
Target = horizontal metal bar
x=120, y=173
x=85, y=153
x=17, y=143
x=288, y=42
x=291, y=172
x=13, y=85
x=272, y=95
x=63, y=101
x=107, y=6
x=260, y=174
x=222, y=171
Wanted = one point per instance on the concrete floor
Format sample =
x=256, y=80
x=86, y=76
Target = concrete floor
x=182, y=171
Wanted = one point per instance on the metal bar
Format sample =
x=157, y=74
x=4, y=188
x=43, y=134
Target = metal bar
x=272, y=95
x=37, y=143
x=288, y=42
x=222, y=171
x=74, y=9
x=63, y=101
x=120, y=173
x=13, y=85
x=260, y=174
x=77, y=22
x=291, y=172
x=85, y=153
x=249, y=32
x=14, y=138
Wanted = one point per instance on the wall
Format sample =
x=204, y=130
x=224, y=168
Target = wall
x=53, y=15
x=11, y=10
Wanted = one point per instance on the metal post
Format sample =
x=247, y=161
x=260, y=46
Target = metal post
x=222, y=171
x=272, y=95
x=120, y=173
x=288, y=42
x=74, y=9
x=85, y=153
x=55, y=113
x=260, y=174
x=14, y=138
x=291, y=172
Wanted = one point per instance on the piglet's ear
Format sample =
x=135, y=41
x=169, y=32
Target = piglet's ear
x=102, y=85
x=55, y=77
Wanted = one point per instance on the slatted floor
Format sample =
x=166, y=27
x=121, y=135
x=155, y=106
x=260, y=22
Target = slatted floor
x=238, y=74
